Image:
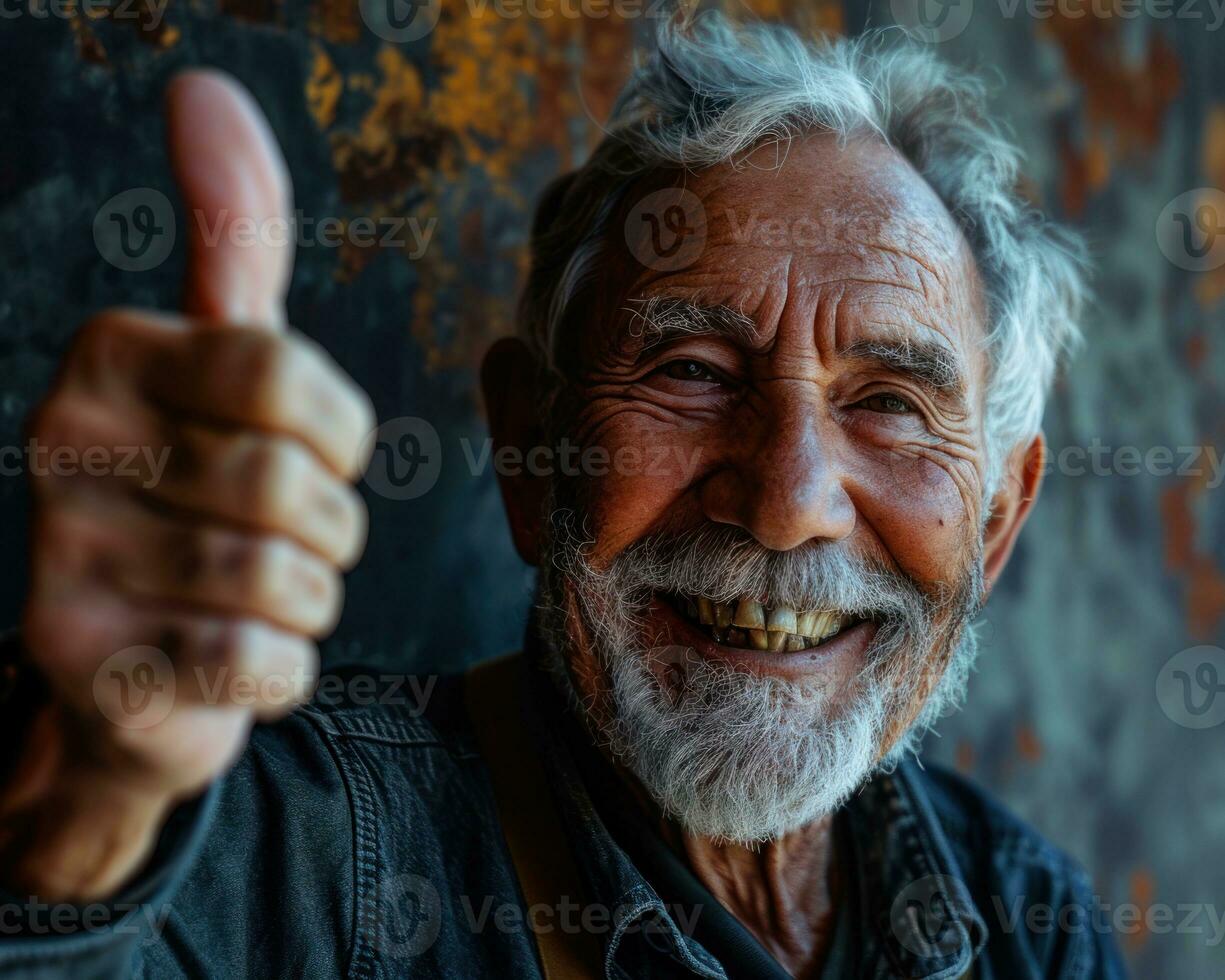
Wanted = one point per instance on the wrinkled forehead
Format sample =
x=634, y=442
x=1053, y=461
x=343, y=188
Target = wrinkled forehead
x=795, y=223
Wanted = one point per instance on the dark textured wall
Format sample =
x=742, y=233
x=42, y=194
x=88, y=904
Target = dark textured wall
x=459, y=129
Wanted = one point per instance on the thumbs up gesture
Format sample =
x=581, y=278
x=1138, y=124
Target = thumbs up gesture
x=175, y=599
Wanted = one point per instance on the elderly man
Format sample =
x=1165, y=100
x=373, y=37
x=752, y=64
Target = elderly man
x=801, y=271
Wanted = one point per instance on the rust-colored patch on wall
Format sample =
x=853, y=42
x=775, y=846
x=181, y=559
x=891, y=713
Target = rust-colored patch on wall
x=1204, y=597
x=1143, y=891
x=1125, y=98
x=89, y=48
x=337, y=21
x=323, y=88
x=1029, y=746
x=1210, y=286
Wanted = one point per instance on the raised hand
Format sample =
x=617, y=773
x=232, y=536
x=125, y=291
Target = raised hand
x=171, y=607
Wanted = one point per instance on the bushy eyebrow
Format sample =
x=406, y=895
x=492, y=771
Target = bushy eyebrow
x=929, y=364
x=660, y=320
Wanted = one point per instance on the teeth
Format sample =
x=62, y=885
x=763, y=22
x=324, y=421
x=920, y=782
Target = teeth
x=821, y=623
x=749, y=616
x=782, y=619
x=749, y=625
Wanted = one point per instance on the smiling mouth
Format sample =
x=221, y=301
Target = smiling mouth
x=751, y=625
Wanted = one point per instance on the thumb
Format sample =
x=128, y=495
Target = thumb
x=238, y=199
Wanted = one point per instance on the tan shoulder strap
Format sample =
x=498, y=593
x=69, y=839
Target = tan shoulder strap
x=534, y=835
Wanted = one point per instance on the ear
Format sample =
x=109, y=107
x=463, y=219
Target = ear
x=1010, y=507
x=508, y=380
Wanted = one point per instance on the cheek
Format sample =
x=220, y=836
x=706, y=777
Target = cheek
x=919, y=511
x=636, y=473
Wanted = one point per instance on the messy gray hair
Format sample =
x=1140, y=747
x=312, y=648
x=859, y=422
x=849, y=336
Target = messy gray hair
x=712, y=91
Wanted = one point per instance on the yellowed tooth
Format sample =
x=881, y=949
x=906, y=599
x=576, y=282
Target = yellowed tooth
x=759, y=639
x=749, y=615
x=783, y=619
x=777, y=640
x=821, y=623
x=804, y=621
x=834, y=626
x=723, y=615
x=795, y=643
x=706, y=612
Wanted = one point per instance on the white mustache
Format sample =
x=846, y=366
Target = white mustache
x=725, y=563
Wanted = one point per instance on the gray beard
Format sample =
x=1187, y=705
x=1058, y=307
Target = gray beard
x=732, y=755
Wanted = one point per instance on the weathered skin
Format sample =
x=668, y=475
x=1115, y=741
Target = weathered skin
x=794, y=440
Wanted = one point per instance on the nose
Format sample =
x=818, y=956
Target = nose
x=786, y=486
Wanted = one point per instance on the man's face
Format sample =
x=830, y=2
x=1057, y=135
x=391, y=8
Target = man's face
x=795, y=427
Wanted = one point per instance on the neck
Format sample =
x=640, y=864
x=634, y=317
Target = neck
x=783, y=891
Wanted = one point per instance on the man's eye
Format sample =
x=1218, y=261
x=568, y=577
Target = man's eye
x=888, y=404
x=686, y=370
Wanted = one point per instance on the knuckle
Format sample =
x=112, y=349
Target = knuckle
x=268, y=365
x=267, y=572
x=65, y=543
x=221, y=644
x=278, y=469
x=357, y=529
x=61, y=420
x=326, y=588
x=100, y=345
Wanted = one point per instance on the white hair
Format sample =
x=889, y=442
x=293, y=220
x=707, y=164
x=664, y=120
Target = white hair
x=712, y=91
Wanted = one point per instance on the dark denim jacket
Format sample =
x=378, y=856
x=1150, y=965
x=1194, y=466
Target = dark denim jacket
x=361, y=840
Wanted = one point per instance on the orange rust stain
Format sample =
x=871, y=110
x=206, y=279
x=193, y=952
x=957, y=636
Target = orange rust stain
x=337, y=21
x=1204, y=580
x=1210, y=286
x=323, y=88
x=1028, y=745
x=1196, y=351
x=89, y=48
x=607, y=46
x=1143, y=891
x=1178, y=524
x=1205, y=597
x=1125, y=97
